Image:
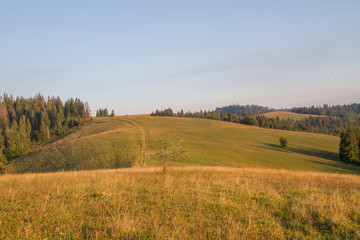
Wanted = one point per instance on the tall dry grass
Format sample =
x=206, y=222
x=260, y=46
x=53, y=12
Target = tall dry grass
x=185, y=203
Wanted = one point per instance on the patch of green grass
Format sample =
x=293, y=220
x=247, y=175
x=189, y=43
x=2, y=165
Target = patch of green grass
x=207, y=143
x=218, y=143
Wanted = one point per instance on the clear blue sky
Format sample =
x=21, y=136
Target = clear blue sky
x=139, y=56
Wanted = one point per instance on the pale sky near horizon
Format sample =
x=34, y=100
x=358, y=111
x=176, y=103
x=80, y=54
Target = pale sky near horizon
x=139, y=56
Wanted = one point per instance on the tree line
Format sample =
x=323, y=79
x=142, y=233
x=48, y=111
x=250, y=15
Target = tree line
x=24, y=121
x=241, y=109
x=343, y=111
x=104, y=113
x=326, y=125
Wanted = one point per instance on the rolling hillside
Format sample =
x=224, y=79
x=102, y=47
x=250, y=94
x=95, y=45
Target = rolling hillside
x=291, y=115
x=112, y=142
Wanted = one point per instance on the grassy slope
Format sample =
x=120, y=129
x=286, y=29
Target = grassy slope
x=209, y=143
x=217, y=143
x=98, y=144
x=291, y=115
x=185, y=203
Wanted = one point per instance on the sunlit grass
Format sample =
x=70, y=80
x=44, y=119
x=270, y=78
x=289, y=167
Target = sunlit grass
x=207, y=143
x=218, y=143
x=185, y=203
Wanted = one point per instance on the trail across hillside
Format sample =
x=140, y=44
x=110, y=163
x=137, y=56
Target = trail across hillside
x=142, y=157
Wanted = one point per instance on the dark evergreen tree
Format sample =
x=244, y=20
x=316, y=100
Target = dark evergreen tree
x=2, y=141
x=349, y=145
x=224, y=116
x=112, y=113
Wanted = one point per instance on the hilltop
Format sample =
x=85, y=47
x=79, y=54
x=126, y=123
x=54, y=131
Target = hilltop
x=114, y=142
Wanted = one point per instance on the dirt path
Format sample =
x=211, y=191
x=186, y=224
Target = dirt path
x=142, y=157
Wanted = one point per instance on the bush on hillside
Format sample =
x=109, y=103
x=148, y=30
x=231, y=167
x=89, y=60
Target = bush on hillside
x=283, y=142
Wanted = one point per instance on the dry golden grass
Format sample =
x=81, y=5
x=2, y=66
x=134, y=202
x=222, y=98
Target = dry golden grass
x=185, y=203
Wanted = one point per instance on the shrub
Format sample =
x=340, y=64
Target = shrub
x=283, y=142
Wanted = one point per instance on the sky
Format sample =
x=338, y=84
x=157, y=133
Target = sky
x=139, y=56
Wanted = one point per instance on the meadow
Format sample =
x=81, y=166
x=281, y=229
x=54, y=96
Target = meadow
x=108, y=142
x=184, y=203
x=232, y=182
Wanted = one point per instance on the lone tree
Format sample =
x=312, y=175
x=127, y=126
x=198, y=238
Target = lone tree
x=283, y=142
x=112, y=113
x=168, y=151
x=350, y=144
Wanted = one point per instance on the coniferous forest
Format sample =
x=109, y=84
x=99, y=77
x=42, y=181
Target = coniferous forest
x=104, y=113
x=24, y=121
x=241, y=109
x=343, y=111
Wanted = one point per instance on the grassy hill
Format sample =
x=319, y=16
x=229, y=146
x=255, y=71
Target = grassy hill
x=113, y=142
x=184, y=203
x=291, y=115
x=102, y=143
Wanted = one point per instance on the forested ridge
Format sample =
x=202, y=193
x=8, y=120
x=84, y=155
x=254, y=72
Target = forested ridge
x=24, y=121
x=241, y=109
x=326, y=125
x=344, y=111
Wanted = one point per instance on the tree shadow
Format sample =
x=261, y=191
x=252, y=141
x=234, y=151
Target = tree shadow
x=306, y=151
x=331, y=159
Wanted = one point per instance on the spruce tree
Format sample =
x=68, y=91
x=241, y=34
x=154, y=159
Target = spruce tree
x=349, y=144
x=224, y=116
x=2, y=141
x=112, y=113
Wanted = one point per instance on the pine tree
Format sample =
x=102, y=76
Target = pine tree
x=2, y=141
x=44, y=133
x=230, y=117
x=12, y=141
x=224, y=116
x=87, y=111
x=349, y=144
x=112, y=113
x=24, y=130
